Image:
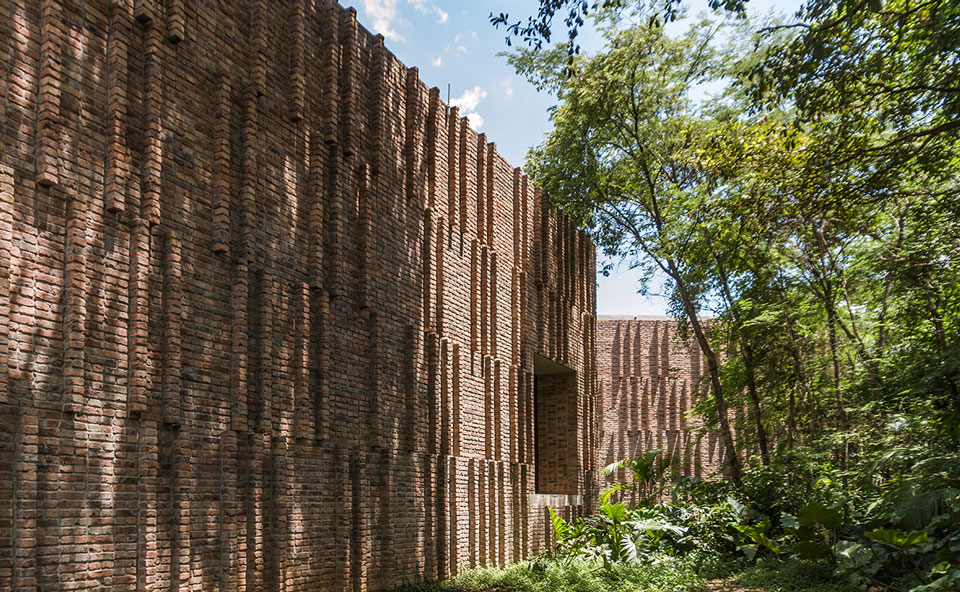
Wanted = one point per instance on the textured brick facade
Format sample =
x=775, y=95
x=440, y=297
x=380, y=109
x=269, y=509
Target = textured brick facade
x=268, y=309
x=649, y=380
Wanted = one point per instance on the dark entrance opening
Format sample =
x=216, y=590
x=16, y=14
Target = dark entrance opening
x=557, y=458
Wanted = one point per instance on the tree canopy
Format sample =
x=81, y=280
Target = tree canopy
x=804, y=218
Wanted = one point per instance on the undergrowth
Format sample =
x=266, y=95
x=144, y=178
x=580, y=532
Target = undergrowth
x=557, y=574
x=661, y=573
x=792, y=575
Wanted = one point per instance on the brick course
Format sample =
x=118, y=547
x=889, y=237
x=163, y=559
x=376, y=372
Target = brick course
x=268, y=308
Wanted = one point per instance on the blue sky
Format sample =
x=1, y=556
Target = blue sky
x=453, y=43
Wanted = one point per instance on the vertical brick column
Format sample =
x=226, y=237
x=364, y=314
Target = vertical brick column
x=490, y=180
x=488, y=435
x=75, y=303
x=378, y=124
x=344, y=522
x=172, y=323
x=138, y=374
x=298, y=76
x=440, y=288
x=493, y=491
x=494, y=289
x=258, y=46
x=481, y=205
x=116, y=165
x=239, y=343
x=497, y=411
x=315, y=222
x=337, y=276
x=19, y=569
x=474, y=295
x=350, y=128
x=375, y=354
x=367, y=239
x=502, y=514
x=453, y=501
x=428, y=290
x=484, y=299
x=464, y=126
x=471, y=514
x=433, y=392
x=249, y=173
x=412, y=137
x=513, y=436
x=267, y=407
x=303, y=408
x=482, y=502
x=433, y=137
x=148, y=564
x=176, y=21
x=152, y=159
x=446, y=419
x=221, y=166
x=331, y=72
x=455, y=403
x=453, y=167
x=516, y=515
x=48, y=99
x=321, y=343
x=6, y=242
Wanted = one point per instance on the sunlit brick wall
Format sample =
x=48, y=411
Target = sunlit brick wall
x=649, y=380
x=268, y=308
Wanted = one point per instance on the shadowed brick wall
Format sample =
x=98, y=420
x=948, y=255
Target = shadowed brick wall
x=649, y=379
x=268, y=308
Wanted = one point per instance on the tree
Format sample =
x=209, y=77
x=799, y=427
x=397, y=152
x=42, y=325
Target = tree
x=818, y=236
x=622, y=160
x=538, y=30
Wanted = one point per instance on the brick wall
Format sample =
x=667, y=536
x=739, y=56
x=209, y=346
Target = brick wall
x=268, y=308
x=649, y=379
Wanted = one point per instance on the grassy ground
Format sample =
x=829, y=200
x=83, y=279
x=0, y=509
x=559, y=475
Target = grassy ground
x=662, y=574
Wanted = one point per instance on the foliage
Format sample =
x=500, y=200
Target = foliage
x=804, y=224
x=557, y=574
x=791, y=575
x=897, y=540
x=647, y=471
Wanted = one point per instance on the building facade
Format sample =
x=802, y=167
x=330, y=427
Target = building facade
x=272, y=315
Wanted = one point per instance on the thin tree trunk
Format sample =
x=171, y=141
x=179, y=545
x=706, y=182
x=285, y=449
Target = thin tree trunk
x=747, y=349
x=713, y=366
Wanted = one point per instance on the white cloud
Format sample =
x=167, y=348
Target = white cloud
x=475, y=121
x=507, y=86
x=459, y=44
x=437, y=62
x=470, y=98
x=427, y=8
x=384, y=18
x=468, y=103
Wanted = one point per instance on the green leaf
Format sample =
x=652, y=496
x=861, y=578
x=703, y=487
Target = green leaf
x=740, y=509
x=851, y=555
x=817, y=514
x=560, y=526
x=615, y=512
x=897, y=538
